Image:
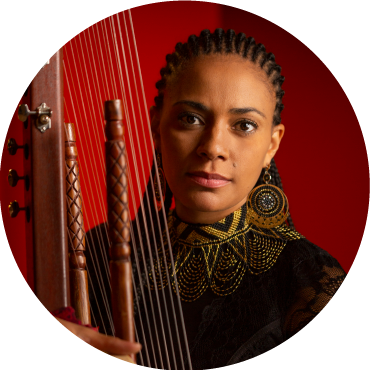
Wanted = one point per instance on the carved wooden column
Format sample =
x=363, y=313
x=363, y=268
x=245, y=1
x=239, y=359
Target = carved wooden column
x=119, y=222
x=76, y=231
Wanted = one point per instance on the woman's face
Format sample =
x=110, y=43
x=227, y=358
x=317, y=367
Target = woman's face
x=215, y=134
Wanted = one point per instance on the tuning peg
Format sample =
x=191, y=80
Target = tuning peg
x=13, y=179
x=13, y=147
x=24, y=112
x=43, y=114
x=14, y=209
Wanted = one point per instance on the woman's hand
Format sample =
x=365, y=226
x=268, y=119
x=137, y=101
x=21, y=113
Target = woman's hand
x=111, y=345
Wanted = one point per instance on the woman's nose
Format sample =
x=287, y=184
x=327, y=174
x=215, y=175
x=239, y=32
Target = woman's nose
x=214, y=143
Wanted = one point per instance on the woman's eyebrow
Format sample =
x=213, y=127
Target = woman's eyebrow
x=193, y=104
x=246, y=110
x=202, y=107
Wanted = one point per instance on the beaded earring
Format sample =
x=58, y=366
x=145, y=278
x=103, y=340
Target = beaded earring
x=159, y=187
x=267, y=204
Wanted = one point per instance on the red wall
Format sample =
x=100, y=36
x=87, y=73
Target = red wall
x=322, y=161
x=15, y=228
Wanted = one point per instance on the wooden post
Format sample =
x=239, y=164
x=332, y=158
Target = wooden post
x=76, y=231
x=119, y=222
x=48, y=205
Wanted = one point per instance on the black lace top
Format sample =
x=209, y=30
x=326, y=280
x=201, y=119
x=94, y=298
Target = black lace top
x=266, y=308
x=269, y=308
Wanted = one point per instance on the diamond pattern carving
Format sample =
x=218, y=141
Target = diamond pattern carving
x=76, y=230
x=118, y=214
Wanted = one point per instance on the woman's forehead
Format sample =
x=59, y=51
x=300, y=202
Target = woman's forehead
x=227, y=80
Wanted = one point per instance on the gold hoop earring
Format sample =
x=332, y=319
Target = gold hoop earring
x=267, y=204
x=159, y=187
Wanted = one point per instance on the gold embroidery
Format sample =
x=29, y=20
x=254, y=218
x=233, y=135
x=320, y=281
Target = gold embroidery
x=218, y=255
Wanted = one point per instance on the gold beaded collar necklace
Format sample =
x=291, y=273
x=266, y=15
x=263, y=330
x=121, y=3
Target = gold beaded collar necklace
x=218, y=255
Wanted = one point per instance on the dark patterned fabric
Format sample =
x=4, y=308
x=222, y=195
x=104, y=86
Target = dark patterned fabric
x=265, y=310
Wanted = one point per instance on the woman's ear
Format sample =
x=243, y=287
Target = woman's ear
x=277, y=135
x=154, y=121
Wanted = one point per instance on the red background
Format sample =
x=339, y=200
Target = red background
x=322, y=160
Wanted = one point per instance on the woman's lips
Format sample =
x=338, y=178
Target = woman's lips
x=208, y=180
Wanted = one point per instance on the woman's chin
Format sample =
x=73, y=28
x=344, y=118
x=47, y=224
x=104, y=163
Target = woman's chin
x=205, y=202
x=209, y=203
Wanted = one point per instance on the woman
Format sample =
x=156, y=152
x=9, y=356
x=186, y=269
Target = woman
x=246, y=280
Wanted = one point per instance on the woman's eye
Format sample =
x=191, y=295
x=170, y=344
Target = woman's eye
x=245, y=126
x=190, y=119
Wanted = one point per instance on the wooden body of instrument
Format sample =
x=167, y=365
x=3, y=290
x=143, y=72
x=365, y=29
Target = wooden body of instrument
x=56, y=228
x=47, y=230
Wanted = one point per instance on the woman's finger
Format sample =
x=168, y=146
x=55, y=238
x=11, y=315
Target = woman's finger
x=108, y=344
x=105, y=343
x=126, y=358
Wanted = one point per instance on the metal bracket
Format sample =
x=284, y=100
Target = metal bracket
x=43, y=116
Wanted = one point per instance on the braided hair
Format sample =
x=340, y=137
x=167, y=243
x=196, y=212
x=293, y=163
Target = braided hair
x=225, y=43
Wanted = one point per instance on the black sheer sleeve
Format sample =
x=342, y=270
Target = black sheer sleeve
x=301, y=283
x=316, y=280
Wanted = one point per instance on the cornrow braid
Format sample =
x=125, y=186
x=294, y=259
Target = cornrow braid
x=221, y=42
